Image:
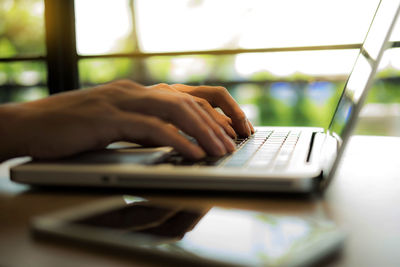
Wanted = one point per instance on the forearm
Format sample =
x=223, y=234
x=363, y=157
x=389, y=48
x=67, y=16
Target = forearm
x=10, y=132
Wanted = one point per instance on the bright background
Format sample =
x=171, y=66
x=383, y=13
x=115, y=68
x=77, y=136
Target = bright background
x=274, y=88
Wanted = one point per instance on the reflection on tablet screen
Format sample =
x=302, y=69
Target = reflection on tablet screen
x=229, y=235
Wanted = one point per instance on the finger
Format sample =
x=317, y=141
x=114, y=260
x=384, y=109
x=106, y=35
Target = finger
x=221, y=119
x=177, y=109
x=224, y=121
x=219, y=132
x=251, y=127
x=218, y=96
x=193, y=122
x=142, y=128
x=226, y=124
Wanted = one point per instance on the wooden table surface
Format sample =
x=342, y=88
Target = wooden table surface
x=363, y=199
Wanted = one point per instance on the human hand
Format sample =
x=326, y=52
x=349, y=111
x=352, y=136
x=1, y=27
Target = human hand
x=77, y=121
x=210, y=97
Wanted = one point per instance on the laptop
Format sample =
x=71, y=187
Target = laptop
x=279, y=159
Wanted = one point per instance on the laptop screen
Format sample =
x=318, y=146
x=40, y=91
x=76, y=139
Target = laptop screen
x=364, y=69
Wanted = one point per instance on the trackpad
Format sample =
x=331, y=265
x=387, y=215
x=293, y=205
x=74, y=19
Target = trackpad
x=129, y=155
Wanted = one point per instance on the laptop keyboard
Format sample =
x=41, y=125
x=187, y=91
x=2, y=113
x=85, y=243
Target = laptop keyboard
x=264, y=149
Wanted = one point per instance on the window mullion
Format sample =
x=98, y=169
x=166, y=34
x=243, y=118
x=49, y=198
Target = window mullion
x=62, y=59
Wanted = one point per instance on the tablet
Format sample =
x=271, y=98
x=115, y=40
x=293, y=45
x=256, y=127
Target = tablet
x=195, y=235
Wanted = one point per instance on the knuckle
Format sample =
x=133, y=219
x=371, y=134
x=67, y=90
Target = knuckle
x=222, y=90
x=187, y=99
x=204, y=130
x=116, y=90
x=224, y=120
x=228, y=120
x=124, y=82
x=202, y=102
x=110, y=90
x=180, y=108
x=128, y=84
x=153, y=122
x=241, y=117
x=180, y=102
x=96, y=98
x=162, y=85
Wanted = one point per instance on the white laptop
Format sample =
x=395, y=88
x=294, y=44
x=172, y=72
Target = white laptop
x=282, y=159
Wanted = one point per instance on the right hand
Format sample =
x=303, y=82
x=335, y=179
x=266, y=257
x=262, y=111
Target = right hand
x=68, y=123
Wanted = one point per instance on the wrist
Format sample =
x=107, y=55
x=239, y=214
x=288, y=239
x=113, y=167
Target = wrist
x=10, y=132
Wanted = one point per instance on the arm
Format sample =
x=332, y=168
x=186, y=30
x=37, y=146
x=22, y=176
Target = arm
x=81, y=120
x=10, y=139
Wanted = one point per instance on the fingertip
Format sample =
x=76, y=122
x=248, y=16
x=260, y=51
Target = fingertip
x=248, y=130
x=231, y=132
x=198, y=153
x=251, y=126
x=221, y=150
x=231, y=146
x=226, y=135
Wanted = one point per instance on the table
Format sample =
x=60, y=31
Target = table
x=363, y=199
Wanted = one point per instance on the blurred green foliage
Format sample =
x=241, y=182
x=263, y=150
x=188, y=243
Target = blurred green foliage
x=22, y=28
x=97, y=71
x=22, y=81
x=22, y=34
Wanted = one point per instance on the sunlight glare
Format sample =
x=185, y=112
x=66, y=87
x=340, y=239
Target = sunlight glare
x=188, y=25
x=317, y=63
x=226, y=24
x=100, y=24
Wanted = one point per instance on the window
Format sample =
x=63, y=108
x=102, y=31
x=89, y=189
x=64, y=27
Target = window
x=22, y=50
x=284, y=61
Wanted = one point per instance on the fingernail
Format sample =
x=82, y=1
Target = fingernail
x=248, y=129
x=221, y=149
x=198, y=153
x=232, y=133
x=231, y=145
x=251, y=126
